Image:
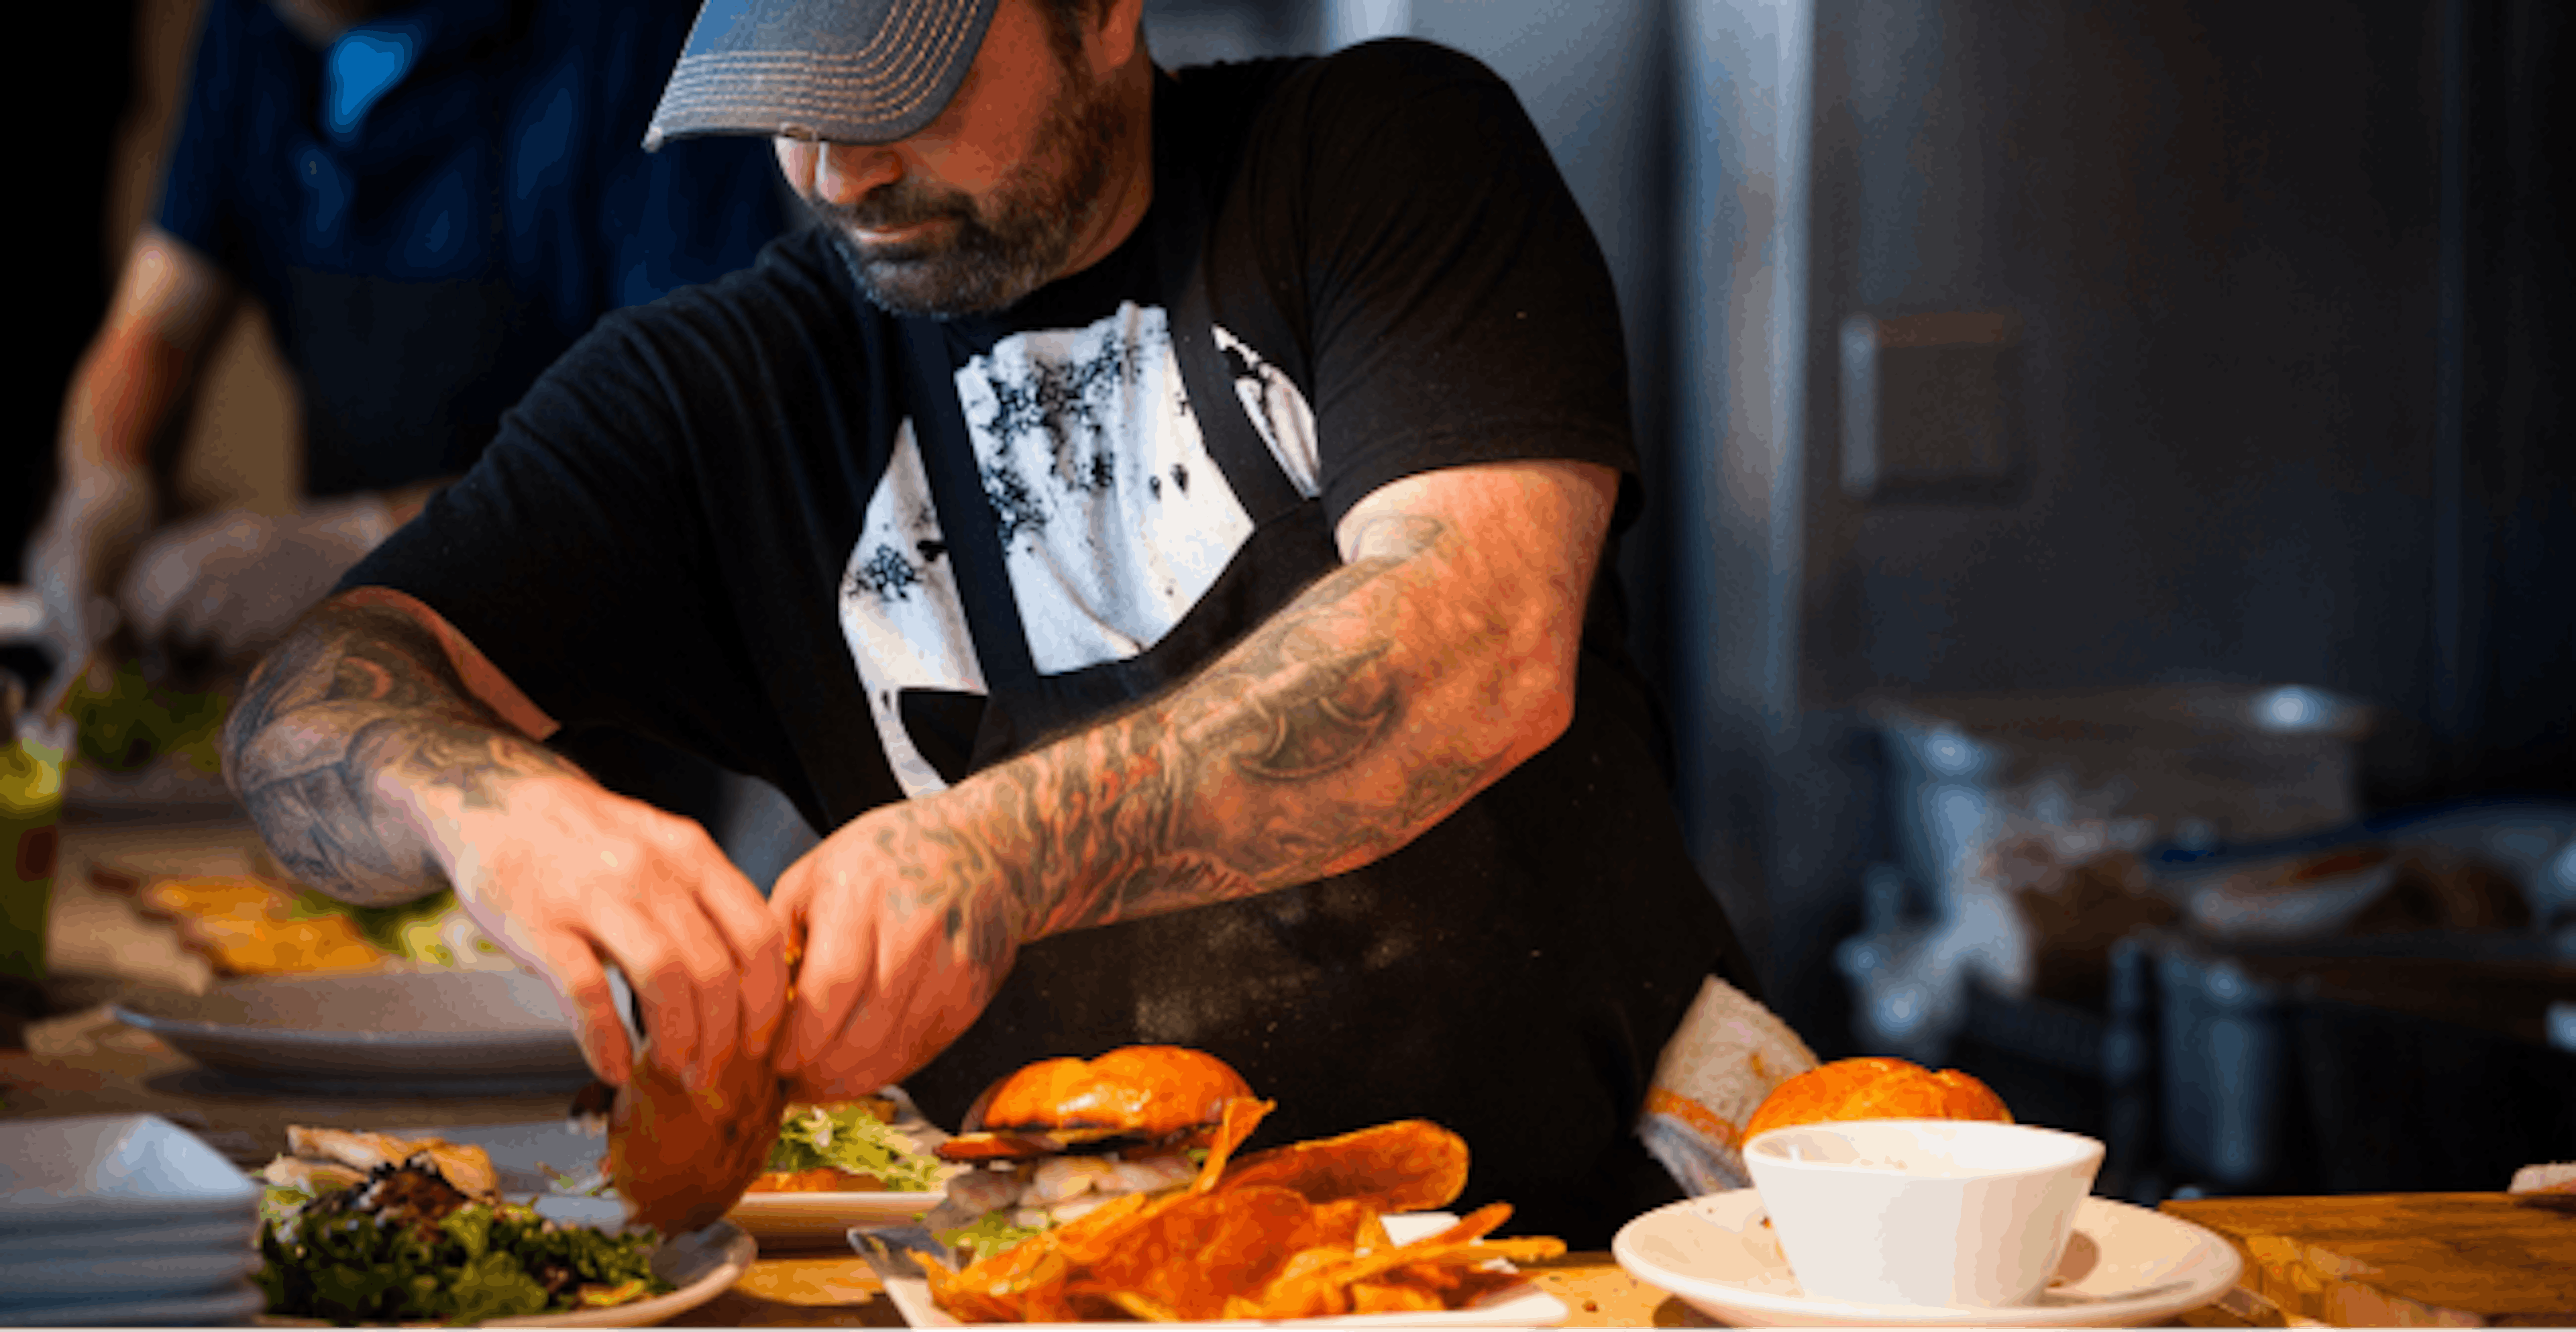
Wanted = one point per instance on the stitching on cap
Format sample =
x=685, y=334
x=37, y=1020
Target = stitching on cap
x=907, y=85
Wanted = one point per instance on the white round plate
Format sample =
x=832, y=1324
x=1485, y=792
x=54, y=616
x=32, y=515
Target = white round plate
x=825, y=1218
x=702, y=1264
x=2124, y=1266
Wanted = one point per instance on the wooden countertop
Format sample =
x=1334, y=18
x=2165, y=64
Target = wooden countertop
x=2396, y=1260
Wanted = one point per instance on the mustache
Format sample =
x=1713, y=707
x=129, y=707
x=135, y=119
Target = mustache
x=887, y=207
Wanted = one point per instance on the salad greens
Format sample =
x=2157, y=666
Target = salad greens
x=988, y=1234
x=481, y=1261
x=407, y=930
x=849, y=1138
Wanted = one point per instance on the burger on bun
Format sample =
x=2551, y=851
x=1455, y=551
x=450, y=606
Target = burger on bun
x=1063, y=1136
x=1875, y=1088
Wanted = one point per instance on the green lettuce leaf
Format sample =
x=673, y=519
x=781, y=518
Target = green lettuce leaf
x=849, y=1138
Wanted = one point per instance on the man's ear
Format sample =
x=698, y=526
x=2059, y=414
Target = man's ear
x=1117, y=33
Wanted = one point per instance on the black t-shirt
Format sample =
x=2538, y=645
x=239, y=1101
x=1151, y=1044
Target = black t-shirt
x=711, y=522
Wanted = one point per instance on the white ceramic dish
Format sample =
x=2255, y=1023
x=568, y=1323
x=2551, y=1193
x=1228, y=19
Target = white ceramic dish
x=2124, y=1266
x=1519, y=1306
x=231, y=1305
x=113, y=1170
x=1932, y=1212
x=112, y=1271
x=702, y=1264
x=375, y=1032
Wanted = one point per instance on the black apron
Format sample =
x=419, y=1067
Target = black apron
x=1500, y=975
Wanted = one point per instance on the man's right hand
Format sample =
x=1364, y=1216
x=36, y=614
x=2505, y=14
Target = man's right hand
x=381, y=755
x=568, y=877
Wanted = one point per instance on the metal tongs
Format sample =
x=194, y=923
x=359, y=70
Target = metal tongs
x=893, y=1251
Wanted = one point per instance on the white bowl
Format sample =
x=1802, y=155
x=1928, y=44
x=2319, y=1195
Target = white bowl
x=1925, y=1212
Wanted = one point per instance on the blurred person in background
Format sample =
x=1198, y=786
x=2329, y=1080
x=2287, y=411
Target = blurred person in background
x=431, y=201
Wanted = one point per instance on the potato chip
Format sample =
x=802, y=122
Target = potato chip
x=1475, y=1283
x=1393, y=1297
x=1293, y=1232
x=1045, y=1296
x=1190, y=1256
x=1411, y=1165
x=1142, y=1309
x=1242, y=1115
x=1350, y=1223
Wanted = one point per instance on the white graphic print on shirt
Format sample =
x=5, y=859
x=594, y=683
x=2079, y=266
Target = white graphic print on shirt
x=1114, y=519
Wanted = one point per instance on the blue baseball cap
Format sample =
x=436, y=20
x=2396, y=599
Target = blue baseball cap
x=843, y=71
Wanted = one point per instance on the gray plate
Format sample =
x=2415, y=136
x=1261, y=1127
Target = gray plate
x=378, y=1032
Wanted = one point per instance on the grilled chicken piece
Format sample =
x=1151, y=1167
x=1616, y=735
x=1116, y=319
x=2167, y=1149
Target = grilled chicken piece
x=465, y=1167
x=359, y=1151
x=313, y=1177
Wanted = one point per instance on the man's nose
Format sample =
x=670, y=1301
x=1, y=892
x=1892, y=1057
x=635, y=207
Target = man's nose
x=845, y=172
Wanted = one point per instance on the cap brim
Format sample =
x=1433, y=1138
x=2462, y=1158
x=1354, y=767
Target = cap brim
x=843, y=71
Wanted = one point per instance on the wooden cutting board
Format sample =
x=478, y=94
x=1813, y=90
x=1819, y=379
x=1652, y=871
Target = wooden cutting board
x=2399, y=1260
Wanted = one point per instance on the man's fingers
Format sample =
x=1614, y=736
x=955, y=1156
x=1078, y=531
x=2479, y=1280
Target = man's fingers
x=661, y=983
x=838, y=968
x=760, y=951
x=592, y=1005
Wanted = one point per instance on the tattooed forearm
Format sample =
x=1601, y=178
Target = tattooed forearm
x=358, y=694
x=1323, y=741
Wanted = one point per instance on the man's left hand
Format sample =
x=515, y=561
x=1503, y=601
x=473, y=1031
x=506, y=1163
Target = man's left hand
x=907, y=928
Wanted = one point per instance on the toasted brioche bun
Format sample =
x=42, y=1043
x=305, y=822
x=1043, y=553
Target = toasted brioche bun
x=1150, y=1092
x=1875, y=1088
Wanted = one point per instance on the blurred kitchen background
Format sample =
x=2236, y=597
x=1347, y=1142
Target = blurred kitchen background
x=2112, y=559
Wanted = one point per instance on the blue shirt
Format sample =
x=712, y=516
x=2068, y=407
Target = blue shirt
x=435, y=207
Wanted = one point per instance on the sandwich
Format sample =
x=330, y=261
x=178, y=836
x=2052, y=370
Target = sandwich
x=1062, y=1137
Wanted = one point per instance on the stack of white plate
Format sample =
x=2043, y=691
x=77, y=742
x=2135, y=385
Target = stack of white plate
x=122, y=1220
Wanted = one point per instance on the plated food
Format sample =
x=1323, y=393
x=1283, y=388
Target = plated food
x=1062, y=1137
x=1292, y=1232
x=367, y=1227
x=847, y=1147
x=874, y=1170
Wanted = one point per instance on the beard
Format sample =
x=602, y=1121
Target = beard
x=982, y=256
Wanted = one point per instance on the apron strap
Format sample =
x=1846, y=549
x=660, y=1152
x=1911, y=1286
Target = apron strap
x=1207, y=372
x=965, y=515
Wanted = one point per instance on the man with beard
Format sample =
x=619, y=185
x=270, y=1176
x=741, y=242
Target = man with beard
x=1156, y=521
